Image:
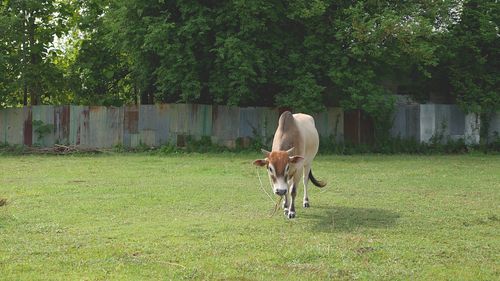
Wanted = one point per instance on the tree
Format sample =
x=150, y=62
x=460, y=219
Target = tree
x=98, y=73
x=301, y=54
x=473, y=61
x=355, y=51
x=29, y=27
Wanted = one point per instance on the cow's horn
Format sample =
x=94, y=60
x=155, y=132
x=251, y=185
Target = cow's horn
x=290, y=151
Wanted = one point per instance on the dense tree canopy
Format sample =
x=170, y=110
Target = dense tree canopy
x=28, y=29
x=304, y=54
x=474, y=62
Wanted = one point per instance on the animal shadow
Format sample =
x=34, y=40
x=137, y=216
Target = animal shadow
x=344, y=219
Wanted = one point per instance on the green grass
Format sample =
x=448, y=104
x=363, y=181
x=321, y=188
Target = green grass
x=203, y=217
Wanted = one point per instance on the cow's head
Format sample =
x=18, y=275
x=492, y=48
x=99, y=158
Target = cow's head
x=281, y=167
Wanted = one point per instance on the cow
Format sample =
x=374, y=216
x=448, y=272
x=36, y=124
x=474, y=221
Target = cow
x=295, y=145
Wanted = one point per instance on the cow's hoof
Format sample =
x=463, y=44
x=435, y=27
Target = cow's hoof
x=285, y=212
x=306, y=205
x=291, y=215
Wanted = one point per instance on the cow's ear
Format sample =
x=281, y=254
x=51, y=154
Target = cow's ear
x=260, y=162
x=296, y=160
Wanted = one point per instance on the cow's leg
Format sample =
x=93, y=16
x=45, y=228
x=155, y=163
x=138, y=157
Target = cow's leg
x=307, y=169
x=293, y=193
x=285, y=204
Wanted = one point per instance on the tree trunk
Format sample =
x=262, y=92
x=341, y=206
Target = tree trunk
x=34, y=60
x=136, y=95
x=147, y=96
x=25, y=94
x=25, y=60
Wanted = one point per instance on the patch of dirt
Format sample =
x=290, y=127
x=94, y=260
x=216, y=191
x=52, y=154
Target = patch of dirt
x=3, y=202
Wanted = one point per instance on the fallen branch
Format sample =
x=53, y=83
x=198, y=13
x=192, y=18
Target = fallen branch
x=59, y=149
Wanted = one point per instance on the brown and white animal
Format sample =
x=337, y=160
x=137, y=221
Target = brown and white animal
x=295, y=145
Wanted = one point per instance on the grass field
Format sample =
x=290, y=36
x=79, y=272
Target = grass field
x=203, y=217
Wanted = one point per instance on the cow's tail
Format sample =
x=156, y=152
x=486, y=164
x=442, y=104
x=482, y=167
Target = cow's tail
x=315, y=181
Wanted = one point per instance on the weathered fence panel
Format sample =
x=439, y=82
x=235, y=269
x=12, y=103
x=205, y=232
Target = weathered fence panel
x=358, y=127
x=12, y=123
x=331, y=123
x=155, y=125
x=79, y=128
x=200, y=120
x=257, y=122
x=406, y=122
x=162, y=124
x=249, y=122
x=448, y=121
x=427, y=122
x=268, y=123
x=457, y=122
x=494, y=126
x=177, y=114
x=61, y=124
x=148, y=121
x=28, y=126
x=43, y=115
x=226, y=122
x=471, y=130
x=130, y=125
x=105, y=126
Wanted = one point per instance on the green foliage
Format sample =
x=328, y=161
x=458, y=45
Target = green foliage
x=254, y=143
x=470, y=55
x=203, y=145
x=301, y=54
x=304, y=55
x=99, y=73
x=396, y=145
x=41, y=129
x=168, y=149
x=439, y=136
x=27, y=51
x=304, y=95
x=119, y=148
x=193, y=145
x=493, y=144
x=7, y=149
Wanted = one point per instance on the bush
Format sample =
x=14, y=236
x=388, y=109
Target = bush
x=328, y=145
x=6, y=148
x=203, y=145
x=397, y=145
x=494, y=143
x=168, y=149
